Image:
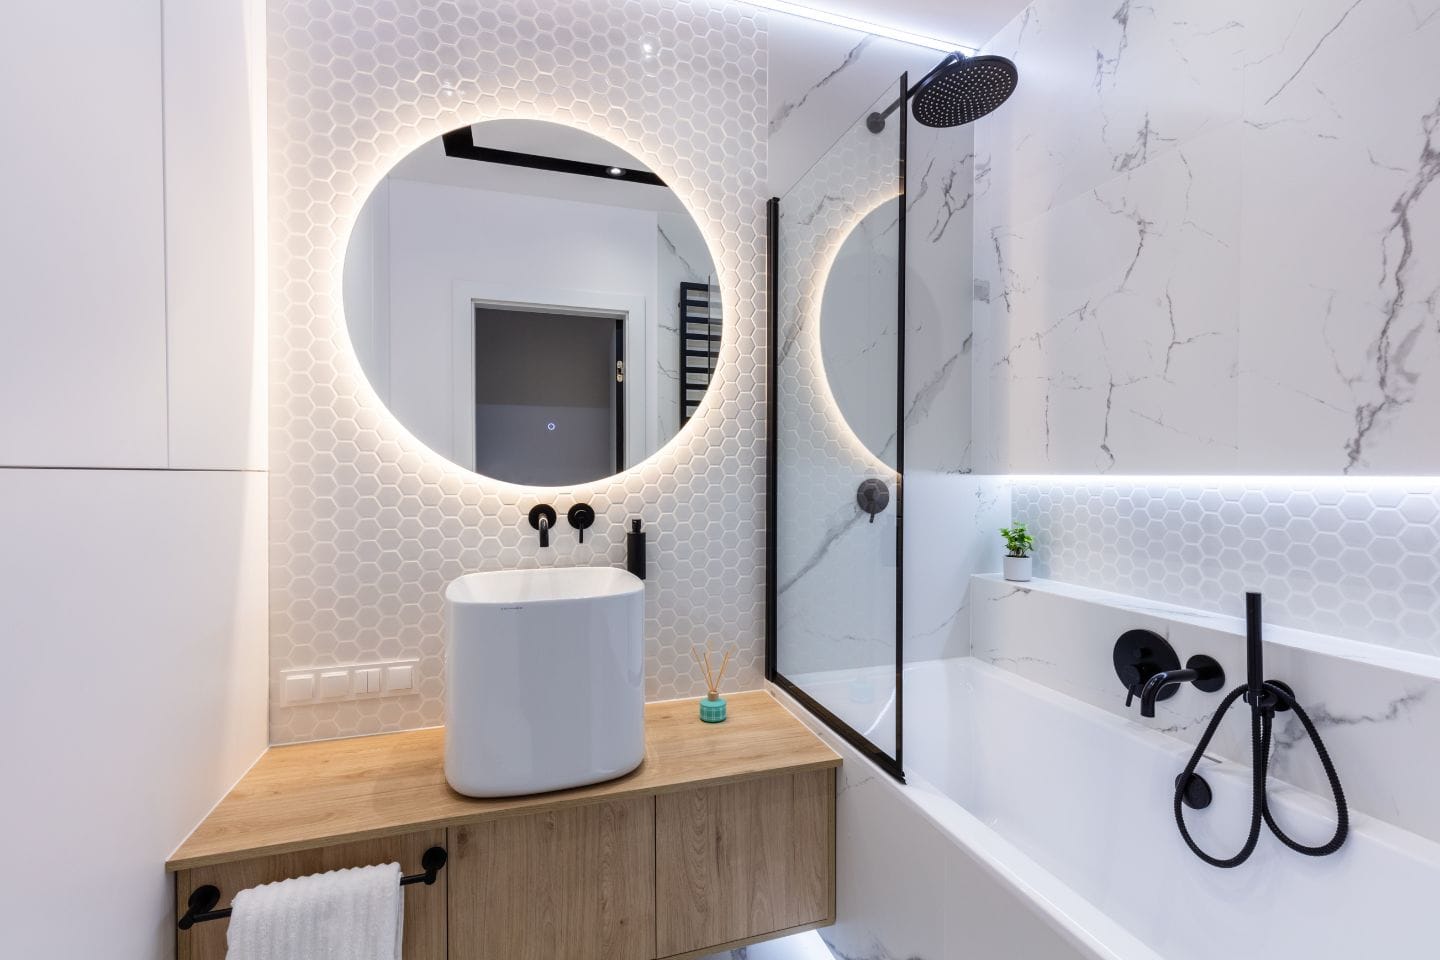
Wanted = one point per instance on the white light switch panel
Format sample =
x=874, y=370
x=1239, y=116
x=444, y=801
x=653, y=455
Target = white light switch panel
x=391, y=678
x=400, y=679
x=300, y=688
x=334, y=684
x=366, y=681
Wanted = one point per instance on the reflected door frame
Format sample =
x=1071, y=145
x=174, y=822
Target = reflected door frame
x=636, y=313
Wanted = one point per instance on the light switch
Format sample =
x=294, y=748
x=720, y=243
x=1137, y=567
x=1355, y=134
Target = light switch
x=367, y=680
x=334, y=684
x=400, y=679
x=300, y=688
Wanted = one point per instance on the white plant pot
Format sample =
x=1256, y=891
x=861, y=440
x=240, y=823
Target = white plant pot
x=1017, y=568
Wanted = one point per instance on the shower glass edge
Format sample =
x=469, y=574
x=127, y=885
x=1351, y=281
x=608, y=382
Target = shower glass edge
x=836, y=305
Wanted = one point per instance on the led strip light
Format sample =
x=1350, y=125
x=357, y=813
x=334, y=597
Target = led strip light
x=863, y=26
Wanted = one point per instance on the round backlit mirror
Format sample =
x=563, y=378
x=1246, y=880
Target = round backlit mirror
x=532, y=302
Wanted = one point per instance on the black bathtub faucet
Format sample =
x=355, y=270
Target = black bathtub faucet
x=1204, y=672
x=1264, y=698
x=1149, y=668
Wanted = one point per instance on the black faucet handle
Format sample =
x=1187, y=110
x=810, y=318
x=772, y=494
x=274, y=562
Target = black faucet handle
x=581, y=516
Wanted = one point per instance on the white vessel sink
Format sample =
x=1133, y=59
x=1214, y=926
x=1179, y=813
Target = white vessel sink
x=545, y=681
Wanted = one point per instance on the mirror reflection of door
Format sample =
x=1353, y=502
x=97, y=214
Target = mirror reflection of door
x=549, y=395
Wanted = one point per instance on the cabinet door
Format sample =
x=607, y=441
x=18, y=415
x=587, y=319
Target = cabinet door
x=571, y=884
x=742, y=860
x=424, y=906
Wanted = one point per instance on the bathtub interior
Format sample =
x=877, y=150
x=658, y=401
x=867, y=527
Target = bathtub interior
x=1075, y=804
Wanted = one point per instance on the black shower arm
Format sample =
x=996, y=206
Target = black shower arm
x=883, y=115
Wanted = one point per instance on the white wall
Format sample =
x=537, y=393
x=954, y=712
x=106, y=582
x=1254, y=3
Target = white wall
x=517, y=246
x=82, y=247
x=134, y=625
x=132, y=601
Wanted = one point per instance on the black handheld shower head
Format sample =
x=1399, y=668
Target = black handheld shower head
x=959, y=90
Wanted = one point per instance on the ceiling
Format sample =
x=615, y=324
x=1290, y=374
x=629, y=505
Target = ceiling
x=968, y=22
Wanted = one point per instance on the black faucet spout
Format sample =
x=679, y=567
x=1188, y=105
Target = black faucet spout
x=542, y=518
x=1151, y=691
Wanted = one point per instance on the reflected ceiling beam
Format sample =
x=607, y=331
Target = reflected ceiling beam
x=461, y=143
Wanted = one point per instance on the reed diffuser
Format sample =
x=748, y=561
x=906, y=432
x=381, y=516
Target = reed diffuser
x=712, y=706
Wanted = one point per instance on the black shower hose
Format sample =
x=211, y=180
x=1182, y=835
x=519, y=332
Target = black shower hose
x=1262, y=715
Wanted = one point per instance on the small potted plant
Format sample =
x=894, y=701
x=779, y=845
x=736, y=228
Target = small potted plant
x=1018, y=544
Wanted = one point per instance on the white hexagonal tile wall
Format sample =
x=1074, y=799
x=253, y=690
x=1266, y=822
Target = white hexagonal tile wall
x=367, y=525
x=1351, y=558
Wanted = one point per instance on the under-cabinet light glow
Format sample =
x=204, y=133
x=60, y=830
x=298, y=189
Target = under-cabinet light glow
x=863, y=26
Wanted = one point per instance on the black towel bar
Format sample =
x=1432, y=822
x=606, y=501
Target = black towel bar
x=203, y=899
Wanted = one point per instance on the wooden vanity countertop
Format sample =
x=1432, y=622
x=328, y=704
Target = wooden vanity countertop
x=309, y=795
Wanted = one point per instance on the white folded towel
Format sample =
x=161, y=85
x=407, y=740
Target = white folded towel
x=354, y=914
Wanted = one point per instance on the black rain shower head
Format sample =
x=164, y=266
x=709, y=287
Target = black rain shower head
x=960, y=90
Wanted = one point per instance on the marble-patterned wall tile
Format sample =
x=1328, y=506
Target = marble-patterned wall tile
x=1375, y=709
x=939, y=258
x=824, y=538
x=1109, y=337
x=839, y=420
x=951, y=532
x=822, y=78
x=1105, y=89
x=1340, y=244
x=1275, y=164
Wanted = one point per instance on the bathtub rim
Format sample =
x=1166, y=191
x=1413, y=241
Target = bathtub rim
x=1056, y=904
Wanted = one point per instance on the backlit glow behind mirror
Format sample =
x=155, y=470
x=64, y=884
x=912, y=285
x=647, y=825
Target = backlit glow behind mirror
x=532, y=303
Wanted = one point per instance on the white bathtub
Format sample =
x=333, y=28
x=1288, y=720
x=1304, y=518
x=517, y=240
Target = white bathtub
x=1068, y=810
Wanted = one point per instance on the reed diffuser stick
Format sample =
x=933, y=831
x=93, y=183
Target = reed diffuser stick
x=704, y=663
x=723, y=664
x=712, y=676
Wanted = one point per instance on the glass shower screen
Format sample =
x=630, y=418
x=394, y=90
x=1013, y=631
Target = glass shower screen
x=837, y=257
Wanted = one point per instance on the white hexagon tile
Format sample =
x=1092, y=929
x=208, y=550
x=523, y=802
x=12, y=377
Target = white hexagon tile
x=367, y=525
x=1351, y=558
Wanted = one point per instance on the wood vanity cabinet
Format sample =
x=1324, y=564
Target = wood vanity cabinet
x=577, y=883
x=724, y=836
x=425, y=907
x=743, y=860
x=677, y=874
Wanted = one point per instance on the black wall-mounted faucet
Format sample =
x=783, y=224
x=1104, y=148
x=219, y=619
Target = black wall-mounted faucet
x=873, y=496
x=1205, y=672
x=1150, y=669
x=581, y=516
x=542, y=518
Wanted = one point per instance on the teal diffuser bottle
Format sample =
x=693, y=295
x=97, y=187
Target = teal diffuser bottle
x=712, y=705
x=712, y=708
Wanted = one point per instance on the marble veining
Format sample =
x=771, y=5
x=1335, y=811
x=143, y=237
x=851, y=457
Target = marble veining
x=1375, y=714
x=782, y=110
x=1186, y=212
